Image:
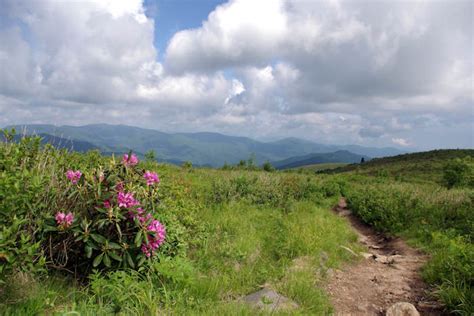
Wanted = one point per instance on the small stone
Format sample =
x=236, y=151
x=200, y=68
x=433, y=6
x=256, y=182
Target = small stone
x=402, y=309
x=367, y=255
x=375, y=247
x=383, y=259
x=395, y=258
x=267, y=299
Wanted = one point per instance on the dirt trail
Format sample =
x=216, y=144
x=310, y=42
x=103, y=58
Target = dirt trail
x=388, y=274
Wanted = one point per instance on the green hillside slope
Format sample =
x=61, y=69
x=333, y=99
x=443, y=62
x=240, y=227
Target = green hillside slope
x=417, y=167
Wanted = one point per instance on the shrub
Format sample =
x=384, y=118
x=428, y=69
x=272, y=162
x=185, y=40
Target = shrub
x=105, y=218
x=267, y=166
x=459, y=172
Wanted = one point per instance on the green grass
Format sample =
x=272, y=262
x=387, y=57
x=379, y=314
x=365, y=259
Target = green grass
x=324, y=166
x=234, y=231
x=423, y=167
x=231, y=232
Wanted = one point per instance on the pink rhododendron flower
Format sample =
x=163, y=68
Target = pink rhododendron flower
x=64, y=220
x=73, y=176
x=151, y=178
x=155, y=241
x=130, y=161
x=126, y=200
x=107, y=204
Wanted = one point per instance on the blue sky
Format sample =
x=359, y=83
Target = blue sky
x=174, y=15
x=376, y=73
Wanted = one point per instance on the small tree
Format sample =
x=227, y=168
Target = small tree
x=362, y=160
x=267, y=166
x=251, y=165
x=150, y=156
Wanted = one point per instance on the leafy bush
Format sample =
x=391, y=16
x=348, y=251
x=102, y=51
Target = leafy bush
x=101, y=213
x=110, y=220
x=267, y=166
x=459, y=172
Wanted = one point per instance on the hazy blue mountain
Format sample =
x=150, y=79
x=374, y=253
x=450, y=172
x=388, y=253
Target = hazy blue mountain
x=200, y=148
x=311, y=159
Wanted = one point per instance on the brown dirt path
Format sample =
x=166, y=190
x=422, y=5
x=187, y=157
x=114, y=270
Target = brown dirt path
x=388, y=273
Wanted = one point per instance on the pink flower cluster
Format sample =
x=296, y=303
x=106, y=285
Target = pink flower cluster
x=64, y=220
x=126, y=200
x=155, y=241
x=130, y=161
x=157, y=238
x=73, y=176
x=151, y=178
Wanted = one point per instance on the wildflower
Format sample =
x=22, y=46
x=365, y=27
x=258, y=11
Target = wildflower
x=130, y=161
x=64, y=220
x=126, y=200
x=107, y=204
x=151, y=178
x=73, y=176
x=156, y=239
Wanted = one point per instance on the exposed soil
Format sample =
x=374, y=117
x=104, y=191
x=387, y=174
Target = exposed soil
x=387, y=274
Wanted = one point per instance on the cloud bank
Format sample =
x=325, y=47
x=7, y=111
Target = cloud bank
x=362, y=72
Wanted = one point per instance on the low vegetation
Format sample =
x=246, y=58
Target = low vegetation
x=436, y=219
x=84, y=233
x=89, y=234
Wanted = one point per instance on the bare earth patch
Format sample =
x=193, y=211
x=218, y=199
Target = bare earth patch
x=387, y=274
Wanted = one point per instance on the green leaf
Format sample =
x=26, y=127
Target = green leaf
x=141, y=261
x=114, y=256
x=48, y=228
x=107, y=261
x=113, y=245
x=130, y=260
x=98, y=238
x=88, y=251
x=138, y=238
x=97, y=260
x=119, y=230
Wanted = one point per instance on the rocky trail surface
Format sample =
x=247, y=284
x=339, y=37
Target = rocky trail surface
x=388, y=273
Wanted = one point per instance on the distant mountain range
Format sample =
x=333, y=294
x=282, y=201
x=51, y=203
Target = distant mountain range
x=312, y=159
x=205, y=149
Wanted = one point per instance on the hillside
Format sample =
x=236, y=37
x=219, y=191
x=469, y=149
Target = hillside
x=200, y=148
x=341, y=156
x=418, y=167
x=60, y=142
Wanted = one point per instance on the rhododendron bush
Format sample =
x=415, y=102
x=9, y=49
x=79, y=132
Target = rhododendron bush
x=106, y=218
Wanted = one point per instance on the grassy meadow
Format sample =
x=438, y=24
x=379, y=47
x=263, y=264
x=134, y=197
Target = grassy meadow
x=228, y=233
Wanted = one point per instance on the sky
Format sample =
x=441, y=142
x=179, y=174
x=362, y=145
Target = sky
x=374, y=73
